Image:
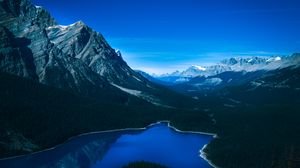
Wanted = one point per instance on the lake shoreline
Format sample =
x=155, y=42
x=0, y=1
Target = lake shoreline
x=167, y=122
x=203, y=155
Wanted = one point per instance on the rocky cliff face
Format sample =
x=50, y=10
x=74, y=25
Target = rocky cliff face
x=28, y=51
x=24, y=20
x=72, y=57
x=81, y=42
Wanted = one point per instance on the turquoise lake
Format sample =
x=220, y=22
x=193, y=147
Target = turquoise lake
x=158, y=143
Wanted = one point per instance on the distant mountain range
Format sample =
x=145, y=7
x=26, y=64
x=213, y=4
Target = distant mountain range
x=237, y=64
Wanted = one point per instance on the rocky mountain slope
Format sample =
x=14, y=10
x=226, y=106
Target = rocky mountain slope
x=73, y=57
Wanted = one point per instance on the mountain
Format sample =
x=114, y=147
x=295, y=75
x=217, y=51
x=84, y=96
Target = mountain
x=238, y=64
x=28, y=51
x=72, y=57
x=151, y=78
x=239, y=77
x=59, y=81
x=211, y=83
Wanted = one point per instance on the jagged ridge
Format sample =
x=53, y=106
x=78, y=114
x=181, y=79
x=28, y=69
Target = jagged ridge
x=72, y=57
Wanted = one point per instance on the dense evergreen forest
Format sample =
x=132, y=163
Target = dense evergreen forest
x=47, y=116
x=261, y=130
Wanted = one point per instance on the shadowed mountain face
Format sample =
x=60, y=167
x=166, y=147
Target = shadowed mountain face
x=15, y=50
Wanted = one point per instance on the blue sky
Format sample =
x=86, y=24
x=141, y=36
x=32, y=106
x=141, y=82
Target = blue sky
x=164, y=35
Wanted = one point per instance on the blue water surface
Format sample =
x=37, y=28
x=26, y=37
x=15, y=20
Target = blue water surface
x=158, y=143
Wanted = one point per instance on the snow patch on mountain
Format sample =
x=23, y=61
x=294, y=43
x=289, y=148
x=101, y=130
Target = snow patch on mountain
x=61, y=27
x=137, y=79
x=144, y=96
x=129, y=91
x=199, y=67
x=38, y=7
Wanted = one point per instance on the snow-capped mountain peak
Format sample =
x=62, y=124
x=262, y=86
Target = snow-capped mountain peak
x=192, y=71
x=198, y=67
x=272, y=59
x=236, y=64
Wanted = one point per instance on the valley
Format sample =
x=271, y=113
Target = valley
x=61, y=81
